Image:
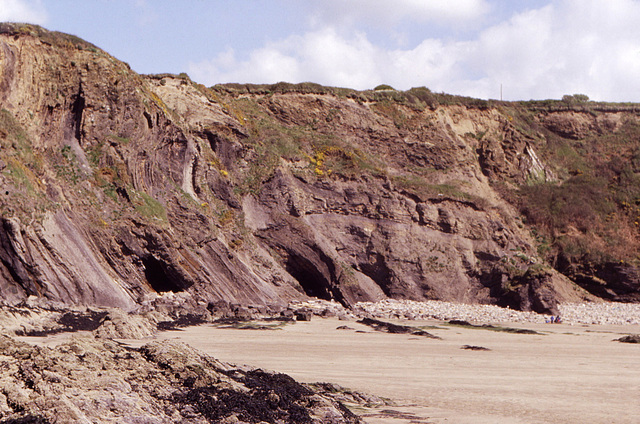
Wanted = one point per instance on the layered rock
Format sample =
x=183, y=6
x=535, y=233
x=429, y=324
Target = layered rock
x=120, y=187
x=99, y=204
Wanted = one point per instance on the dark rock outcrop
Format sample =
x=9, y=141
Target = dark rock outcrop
x=631, y=338
x=612, y=281
x=392, y=328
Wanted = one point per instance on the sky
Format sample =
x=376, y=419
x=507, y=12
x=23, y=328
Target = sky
x=524, y=49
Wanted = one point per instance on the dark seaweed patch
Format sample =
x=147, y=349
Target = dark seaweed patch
x=395, y=328
x=186, y=320
x=26, y=419
x=272, y=398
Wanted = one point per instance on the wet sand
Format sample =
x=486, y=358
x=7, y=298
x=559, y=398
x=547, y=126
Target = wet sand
x=567, y=374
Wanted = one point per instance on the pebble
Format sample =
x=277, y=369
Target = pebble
x=598, y=313
x=601, y=313
x=571, y=313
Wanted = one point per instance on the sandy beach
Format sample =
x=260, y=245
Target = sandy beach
x=564, y=374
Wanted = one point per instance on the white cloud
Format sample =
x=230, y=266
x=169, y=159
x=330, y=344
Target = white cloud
x=382, y=13
x=585, y=46
x=22, y=11
x=566, y=47
x=321, y=56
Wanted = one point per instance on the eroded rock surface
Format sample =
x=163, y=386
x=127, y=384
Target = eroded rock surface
x=88, y=380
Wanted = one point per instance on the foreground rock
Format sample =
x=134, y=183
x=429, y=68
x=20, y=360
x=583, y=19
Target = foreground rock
x=87, y=380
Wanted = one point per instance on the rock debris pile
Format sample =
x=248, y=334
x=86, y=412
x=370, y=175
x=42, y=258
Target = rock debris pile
x=446, y=311
x=323, y=308
x=601, y=313
x=571, y=313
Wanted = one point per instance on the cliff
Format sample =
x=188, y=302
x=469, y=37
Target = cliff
x=118, y=188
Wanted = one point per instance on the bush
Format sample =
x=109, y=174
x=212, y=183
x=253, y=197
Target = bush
x=575, y=99
x=581, y=202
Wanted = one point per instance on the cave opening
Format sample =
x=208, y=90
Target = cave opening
x=159, y=276
x=213, y=139
x=312, y=280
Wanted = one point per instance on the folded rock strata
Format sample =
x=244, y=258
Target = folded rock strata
x=118, y=188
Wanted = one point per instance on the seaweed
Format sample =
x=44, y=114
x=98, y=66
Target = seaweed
x=271, y=398
x=395, y=328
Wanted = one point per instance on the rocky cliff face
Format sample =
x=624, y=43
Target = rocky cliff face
x=117, y=188
x=99, y=204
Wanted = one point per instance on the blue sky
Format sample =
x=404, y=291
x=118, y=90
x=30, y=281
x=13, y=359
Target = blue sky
x=535, y=49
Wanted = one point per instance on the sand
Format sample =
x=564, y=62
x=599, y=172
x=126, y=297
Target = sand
x=567, y=374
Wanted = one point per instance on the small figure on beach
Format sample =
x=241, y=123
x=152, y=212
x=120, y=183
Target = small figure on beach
x=558, y=320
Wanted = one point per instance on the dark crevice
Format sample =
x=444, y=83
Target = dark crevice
x=486, y=257
x=122, y=192
x=149, y=120
x=438, y=200
x=378, y=271
x=213, y=139
x=161, y=277
x=194, y=179
x=11, y=260
x=313, y=282
x=225, y=149
x=76, y=114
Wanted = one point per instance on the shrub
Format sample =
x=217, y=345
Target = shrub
x=575, y=99
x=582, y=202
x=147, y=206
